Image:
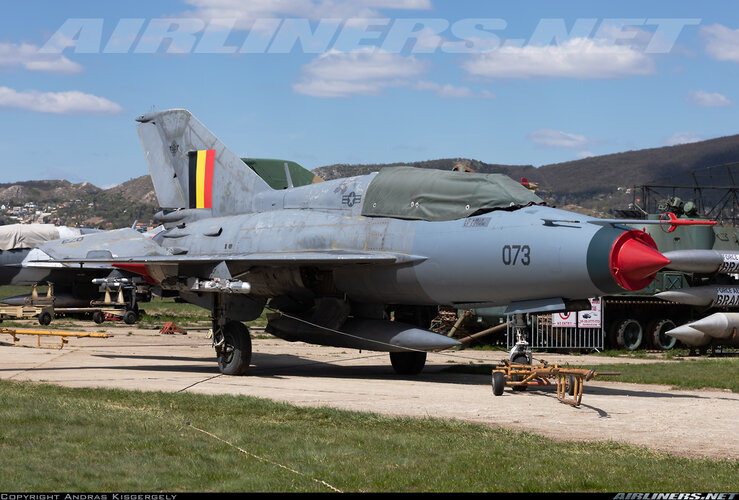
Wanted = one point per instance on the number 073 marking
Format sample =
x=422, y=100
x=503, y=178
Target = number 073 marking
x=516, y=254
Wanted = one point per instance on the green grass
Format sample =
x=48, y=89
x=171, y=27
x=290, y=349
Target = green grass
x=13, y=290
x=683, y=374
x=160, y=310
x=62, y=439
x=693, y=374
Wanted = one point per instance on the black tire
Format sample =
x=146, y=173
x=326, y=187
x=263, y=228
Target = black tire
x=408, y=363
x=234, y=356
x=656, y=333
x=629, y=334
x=130, y=317
x=44, y=318
x=98, y=317
x=519, y=359
x=498, y=383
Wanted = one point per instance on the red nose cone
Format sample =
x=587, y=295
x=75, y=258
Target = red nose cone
x=635, y=260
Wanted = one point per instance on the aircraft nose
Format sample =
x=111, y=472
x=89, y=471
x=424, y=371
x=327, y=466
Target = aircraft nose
x=635, y=260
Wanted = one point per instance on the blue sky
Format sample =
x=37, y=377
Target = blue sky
x=363, y=81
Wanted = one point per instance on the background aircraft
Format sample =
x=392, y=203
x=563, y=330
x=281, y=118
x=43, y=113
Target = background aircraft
x=23, y=262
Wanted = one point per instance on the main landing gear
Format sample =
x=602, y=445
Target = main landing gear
x=231, y=340
x=232, y=343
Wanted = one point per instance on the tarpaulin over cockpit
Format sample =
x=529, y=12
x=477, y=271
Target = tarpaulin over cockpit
x=439, y=195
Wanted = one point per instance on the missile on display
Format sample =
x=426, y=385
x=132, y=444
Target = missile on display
x=709, y=296
x=718, y=328
x=704, y=261
x=690, y=336
x=718, y=325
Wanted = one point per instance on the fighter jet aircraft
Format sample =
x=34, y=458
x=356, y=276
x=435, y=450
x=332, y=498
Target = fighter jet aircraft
x=362, y=262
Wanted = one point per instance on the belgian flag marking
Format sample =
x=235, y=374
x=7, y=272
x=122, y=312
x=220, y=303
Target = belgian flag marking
x=201, y=178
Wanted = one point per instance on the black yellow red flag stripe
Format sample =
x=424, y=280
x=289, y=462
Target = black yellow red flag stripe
x=201, y=178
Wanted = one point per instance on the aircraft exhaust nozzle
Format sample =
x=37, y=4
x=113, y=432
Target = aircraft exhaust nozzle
x=710, y=295
x=635, y=260
x=704, y=261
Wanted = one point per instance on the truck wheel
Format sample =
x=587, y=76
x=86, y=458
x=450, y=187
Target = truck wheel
x=629, y=334
x=498, y=383
x=656, y=332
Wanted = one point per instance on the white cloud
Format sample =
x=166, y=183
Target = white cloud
x=722, y=43
x=557, y=139
x=365, y=72
x=70, y=102
x=27, y=56
x=247, y=12
x=682, y=138
x=708, y=99
x=369, y=72
x=584, y=58
x=448, y=91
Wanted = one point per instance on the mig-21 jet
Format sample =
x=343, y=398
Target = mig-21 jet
x=361, y=262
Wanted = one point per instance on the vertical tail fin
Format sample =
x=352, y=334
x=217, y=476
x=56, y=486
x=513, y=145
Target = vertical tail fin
x=191, y=168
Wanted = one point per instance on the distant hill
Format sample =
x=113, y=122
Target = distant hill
x=139, y=189
x=344, y=170
x=591, y=185
x=665, y=165
x=45, y=191
x=83, y=204
x=594, y=185
x=593, y=175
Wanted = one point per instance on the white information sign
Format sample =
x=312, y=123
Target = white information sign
x=561, y=320
x=591, y=318
x=583, y=319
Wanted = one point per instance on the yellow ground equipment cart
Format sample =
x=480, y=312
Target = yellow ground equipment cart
x=14, y=332
x=569, y=380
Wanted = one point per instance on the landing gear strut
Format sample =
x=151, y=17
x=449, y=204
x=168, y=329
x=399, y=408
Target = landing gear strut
x=521, y=352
